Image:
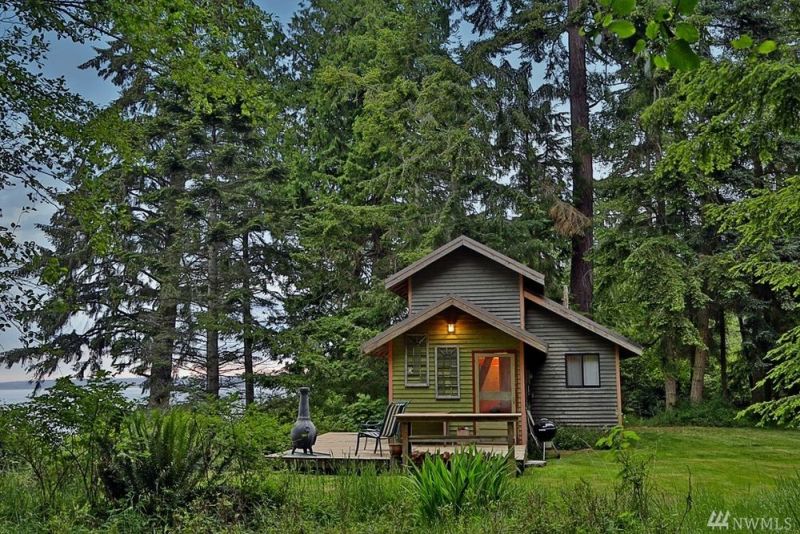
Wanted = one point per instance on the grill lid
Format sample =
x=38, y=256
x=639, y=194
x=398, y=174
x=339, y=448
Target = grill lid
x=544, y=429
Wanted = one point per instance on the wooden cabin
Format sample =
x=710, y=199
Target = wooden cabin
x=481, y=337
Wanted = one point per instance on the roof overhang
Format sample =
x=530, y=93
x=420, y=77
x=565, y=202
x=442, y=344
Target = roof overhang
x=376, y=344
x=397, y=281
x=586, y=323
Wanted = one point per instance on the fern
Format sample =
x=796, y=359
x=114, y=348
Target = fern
x=163, y=457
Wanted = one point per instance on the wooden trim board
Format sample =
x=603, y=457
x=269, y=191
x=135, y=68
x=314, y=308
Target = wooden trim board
x=451, y=301
x=585, y=322
x=619, y=385
x=394, y=281
x=390, y=350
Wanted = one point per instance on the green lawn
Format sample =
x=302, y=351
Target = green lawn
x=749, y=472
x=736, y=462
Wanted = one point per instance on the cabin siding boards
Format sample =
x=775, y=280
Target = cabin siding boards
x=550, y=396
x=472, y=277
x=471, y=336
x=498, y=306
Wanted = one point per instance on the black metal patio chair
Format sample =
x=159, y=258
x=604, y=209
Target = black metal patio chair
x=381, y=429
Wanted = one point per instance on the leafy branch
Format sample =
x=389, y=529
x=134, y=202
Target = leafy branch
x=668, y=38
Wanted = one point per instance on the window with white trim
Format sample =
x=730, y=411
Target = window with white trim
x=448, y=385
x=416, y=360
x=583, y=370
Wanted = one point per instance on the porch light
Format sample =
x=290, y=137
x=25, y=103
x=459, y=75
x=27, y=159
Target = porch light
x=451, y=327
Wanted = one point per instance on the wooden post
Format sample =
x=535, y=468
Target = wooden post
x=405, y=430
x=523, y=393
x=390, y=363
x=511, y=438
x=619, y=385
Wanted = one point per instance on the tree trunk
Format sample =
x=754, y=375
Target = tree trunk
x=700, y=357
x=212, y=331
x=247, y=324
x=723, y=354
x=160, y=383
x=751, y=353
x=160, y=380
x=670, y=392
x=582, y=178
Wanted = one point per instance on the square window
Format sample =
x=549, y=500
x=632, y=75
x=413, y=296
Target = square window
x=583, y=370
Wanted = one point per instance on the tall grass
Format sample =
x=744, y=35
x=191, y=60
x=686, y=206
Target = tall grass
x=471, y=479
x=778, y=504
x=366, y=501
x=363, y=494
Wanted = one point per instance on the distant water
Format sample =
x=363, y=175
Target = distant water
x=22, y=391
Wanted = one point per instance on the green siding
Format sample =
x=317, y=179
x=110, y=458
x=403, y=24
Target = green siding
x=471, y=335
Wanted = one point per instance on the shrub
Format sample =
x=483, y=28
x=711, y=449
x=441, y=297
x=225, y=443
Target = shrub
x=716, y=413
x=617, y=439
x=66, y=433
x=472, y=479
x=633, y=469
x=577, y=437
x=339, y=412
x=254, y=435
x=161, y=458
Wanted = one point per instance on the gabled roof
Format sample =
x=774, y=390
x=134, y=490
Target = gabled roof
x=396, y=280
x=451, y=301
x=585, y=322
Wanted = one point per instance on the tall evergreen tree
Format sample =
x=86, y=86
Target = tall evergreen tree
x=663, y=182
x=581, y=279
x=39, y=135
x=532, y=34
x=394, y=158
x=131, y=241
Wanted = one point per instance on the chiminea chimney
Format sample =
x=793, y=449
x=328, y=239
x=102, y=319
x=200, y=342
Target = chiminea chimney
x=304, y=433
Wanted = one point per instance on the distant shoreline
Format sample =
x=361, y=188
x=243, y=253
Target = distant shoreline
x=21, y=391
x=45, y=384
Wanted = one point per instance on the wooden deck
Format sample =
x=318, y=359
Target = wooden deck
x=340, y=447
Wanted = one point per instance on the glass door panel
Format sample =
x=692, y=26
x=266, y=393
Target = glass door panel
x=495, y=373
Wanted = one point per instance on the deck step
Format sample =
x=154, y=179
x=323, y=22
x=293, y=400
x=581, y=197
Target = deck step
x=535, y=463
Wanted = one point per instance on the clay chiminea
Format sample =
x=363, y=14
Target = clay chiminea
x=304, y=433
